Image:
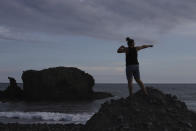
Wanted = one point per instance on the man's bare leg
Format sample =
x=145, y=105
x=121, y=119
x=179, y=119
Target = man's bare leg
x=130, y=86
x=141, y=84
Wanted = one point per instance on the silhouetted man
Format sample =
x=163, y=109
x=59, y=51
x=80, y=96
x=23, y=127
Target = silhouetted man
x=132, y=64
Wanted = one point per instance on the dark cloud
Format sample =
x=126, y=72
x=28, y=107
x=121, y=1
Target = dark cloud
x=107, y=19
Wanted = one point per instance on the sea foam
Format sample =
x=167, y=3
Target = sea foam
x=51, y=117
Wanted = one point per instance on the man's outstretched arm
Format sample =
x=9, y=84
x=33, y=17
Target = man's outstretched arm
x=143, y=47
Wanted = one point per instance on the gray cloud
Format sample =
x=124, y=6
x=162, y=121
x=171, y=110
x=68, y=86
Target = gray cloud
x=106, y=19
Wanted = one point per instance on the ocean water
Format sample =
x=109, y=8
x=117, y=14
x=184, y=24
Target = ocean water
x=81, y=111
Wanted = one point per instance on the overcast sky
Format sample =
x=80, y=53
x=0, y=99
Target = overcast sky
x=37, y=34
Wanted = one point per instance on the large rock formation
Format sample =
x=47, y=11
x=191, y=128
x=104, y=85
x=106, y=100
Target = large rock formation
x=156, y=112
x=60, y=83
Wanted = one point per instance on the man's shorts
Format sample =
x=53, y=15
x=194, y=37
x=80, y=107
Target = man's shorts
x=132, y=71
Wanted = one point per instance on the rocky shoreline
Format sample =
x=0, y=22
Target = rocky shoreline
x=156, y=112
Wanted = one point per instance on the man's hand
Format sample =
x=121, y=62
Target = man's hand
x=122, y=46
x=121, y=49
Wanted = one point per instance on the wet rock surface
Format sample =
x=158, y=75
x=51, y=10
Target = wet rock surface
x=156, y=112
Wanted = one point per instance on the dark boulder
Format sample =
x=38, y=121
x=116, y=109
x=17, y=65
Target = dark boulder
x=12, y=92
x=59, y=83
x=156, y=112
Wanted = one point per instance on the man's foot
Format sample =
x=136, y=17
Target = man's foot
x=130, y=93
x=145, y=92
x=130, y=97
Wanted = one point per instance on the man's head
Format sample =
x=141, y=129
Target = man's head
x=130, y=42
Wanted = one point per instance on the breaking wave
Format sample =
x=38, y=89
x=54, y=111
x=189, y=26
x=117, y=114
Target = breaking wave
x=47, y=117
